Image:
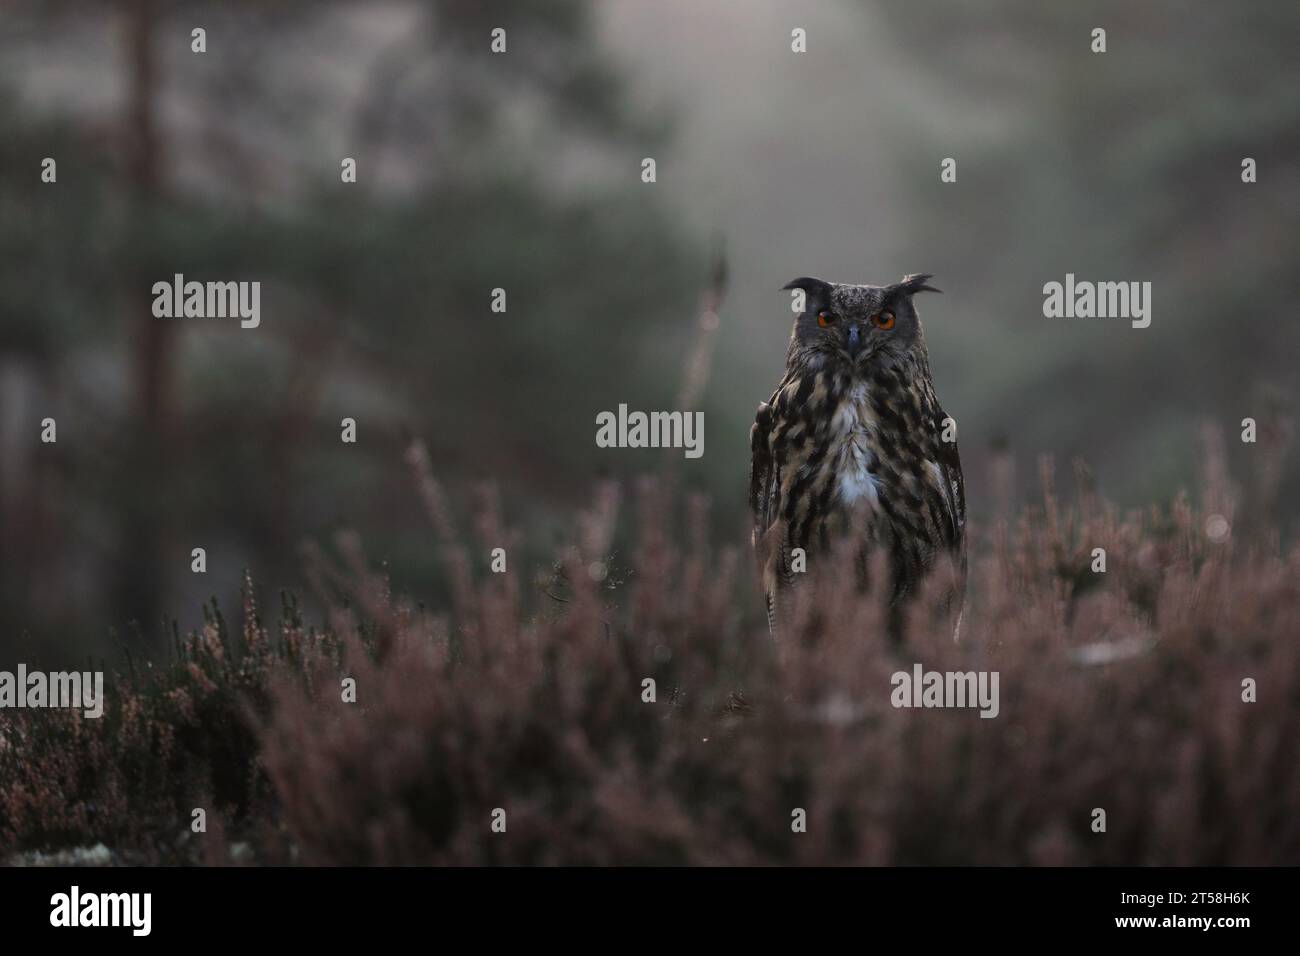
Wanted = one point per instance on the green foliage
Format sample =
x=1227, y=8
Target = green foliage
x=376, y=293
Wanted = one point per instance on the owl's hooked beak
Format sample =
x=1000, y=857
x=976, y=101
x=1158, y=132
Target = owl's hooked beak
x=855, y=340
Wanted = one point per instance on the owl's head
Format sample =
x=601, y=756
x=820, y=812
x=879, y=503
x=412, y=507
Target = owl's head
x=857, y=326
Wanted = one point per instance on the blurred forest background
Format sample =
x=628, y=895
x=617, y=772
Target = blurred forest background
x=522, y=171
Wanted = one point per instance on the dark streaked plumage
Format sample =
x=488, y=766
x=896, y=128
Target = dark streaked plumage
x=852, y=443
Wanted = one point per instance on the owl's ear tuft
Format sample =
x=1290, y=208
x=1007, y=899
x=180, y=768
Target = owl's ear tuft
x=817, y=292
x=911, y=284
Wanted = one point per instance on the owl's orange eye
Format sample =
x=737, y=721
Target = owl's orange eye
x=825, y=319
x=885, y=320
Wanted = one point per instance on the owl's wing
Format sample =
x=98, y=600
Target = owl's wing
x=952, y=497
x=764, y=494
x=952, y=492
x=762, y=471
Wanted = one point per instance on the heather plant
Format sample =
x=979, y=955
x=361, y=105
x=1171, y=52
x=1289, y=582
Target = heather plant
x=175, y=736
x=1122, y=690
x=626, y=705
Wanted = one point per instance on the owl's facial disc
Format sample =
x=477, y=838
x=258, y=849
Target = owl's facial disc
x=857, y=325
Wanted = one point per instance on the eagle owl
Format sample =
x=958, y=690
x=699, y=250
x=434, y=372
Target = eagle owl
x=853, y=443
